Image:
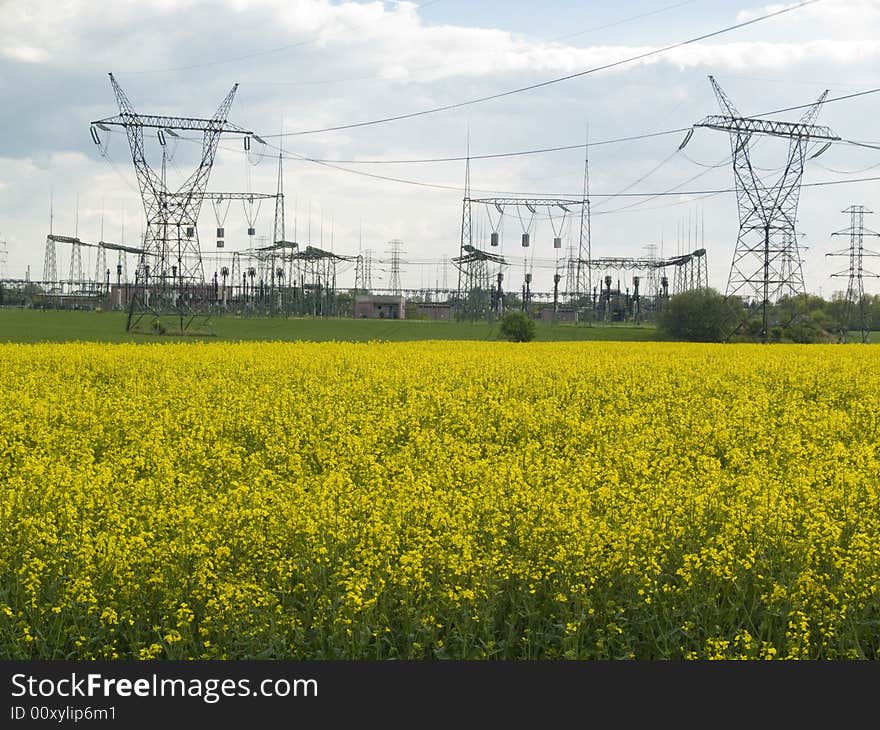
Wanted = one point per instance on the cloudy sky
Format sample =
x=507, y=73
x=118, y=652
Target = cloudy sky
x=310, y=64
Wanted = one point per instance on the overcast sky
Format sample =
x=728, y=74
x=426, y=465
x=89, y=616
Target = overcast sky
x=307, y=64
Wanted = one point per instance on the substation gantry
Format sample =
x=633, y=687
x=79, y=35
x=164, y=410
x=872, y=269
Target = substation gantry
x=477, y=294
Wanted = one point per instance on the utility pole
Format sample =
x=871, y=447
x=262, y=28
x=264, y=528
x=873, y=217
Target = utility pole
x=766, y=259
x=396, y=247
x=50, y=267
x=584, y=281
x=4, y=259
x=170, y=277
x=466, y=242
x=856, y=273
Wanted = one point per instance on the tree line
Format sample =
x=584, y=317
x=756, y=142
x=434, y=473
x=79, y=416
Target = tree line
x=706, y=315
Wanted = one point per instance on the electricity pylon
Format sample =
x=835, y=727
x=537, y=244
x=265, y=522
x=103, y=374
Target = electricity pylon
x=170, y=278
x=856, y=273
x=766, y=259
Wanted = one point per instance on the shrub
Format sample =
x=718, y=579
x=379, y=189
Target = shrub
x=518, y=327
x=701, y=315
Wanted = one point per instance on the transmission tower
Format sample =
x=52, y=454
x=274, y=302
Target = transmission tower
x=122, y=259
x=100, y=264
x=368, y=270
x=50, y=267
x=474, y=279
x=76, y=270
x=856, y=273
x=75, y=276
x=571, y=264
x=701, y=271
x=170, y=277
x=279, y=202
x=466, y=243
x=396, y=246
x=359, y=274
x=584, y=281
x=121, y=267
x=4, y=259
x=766, y=259
x=792, y=278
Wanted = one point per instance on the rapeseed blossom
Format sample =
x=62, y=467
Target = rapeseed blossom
x=438, y=499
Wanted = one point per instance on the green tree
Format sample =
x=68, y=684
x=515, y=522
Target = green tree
x=701, y=315
x=518, y=327
x=802, y=318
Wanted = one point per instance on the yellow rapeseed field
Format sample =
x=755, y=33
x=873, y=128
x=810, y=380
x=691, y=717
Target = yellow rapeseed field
x=449, y=500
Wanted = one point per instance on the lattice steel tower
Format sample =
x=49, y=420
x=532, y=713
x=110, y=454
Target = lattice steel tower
x=76, y=268
x=50, y=266
x=584, y=281
x=368, y=270
x=766, y=261
x=856, y=273
x=396, y=246
x=4, y=259
x=170, y=278
x=467, y=221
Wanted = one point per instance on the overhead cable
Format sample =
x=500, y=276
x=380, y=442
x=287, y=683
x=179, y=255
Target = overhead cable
x=542, y=84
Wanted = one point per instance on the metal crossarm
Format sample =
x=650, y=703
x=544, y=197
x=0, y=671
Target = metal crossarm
x=187, y=124
x=746, y=125
x=527, y=202
x=220, y=197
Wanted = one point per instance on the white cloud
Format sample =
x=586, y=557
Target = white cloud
x=396, y=62
x=65, y=159
x=853, y=19
x=24, y=53
x=743, y=16
x=392, y=42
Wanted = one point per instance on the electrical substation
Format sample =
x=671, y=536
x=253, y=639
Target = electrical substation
x=172, y=281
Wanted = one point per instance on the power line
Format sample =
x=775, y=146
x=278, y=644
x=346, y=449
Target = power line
x=544, y=150
x=372, y=77
x=674, y=190
x=562, y=148
x=652, y=195
x=439, y=186
x=644, y=177
x=806, y=106
x=531, y=87
x=621, y=194
x=848, y=172
x=456, y=188
x=498, y=155
x=623, y=21
x=632, y=209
